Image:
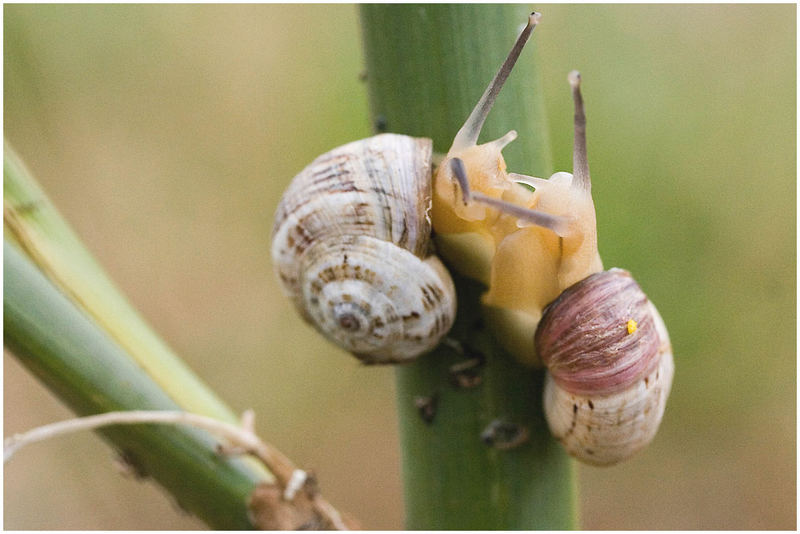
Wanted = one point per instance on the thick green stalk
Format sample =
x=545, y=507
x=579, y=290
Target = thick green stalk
x=427, y=65
x=77, y=360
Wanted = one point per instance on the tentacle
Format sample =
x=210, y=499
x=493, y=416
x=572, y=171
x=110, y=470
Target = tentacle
x=558, y=224
x=580, y=163
x=533, y=181
x=501, y=143
x=468, y=134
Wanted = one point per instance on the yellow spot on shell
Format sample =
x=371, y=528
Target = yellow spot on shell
x=632, y=326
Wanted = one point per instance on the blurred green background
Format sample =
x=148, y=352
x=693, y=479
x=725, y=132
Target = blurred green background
x=165, y=135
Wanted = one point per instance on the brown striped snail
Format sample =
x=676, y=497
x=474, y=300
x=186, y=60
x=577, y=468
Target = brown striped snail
x=351, y=246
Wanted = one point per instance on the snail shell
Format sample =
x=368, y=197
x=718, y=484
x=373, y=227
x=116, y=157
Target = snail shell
x=351, y=247
x=610, y=367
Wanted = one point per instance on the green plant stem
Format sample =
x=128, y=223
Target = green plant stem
x=34, y=224
x=68, y=324
x=90, y=373
x=427, y=65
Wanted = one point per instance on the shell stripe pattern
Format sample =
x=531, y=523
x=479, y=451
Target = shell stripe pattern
x=609, y=358
x=351, y=245
x=607, y=387
x=376, y=300
x=365, y=187
x=606, y=430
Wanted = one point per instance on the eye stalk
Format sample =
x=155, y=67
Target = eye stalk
x=558, y=224
x=580, y=162
x=468, y=134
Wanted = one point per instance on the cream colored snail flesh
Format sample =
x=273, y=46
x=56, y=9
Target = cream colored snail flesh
x=535, y=243
x=351, y=245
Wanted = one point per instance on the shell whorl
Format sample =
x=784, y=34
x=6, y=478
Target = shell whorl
x=604, y=430
x=351, y=246
x=377, y=300
x=607, y=384
x=583, y=337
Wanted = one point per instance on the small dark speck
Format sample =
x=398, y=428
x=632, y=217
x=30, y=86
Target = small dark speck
x=363, y=76
x=467, y=373
x=589, y=451
x=426, y=406
x=129, y=465
x=504, y=435
x=591, y=405
x=381, y=124
x=574, y=408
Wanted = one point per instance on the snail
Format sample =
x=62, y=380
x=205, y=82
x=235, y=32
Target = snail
x=608, y=354
x=352, y=248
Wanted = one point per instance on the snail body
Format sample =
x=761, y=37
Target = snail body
x=351, y=247
x=535, y=243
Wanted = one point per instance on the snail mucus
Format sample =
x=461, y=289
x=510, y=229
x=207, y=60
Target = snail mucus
x=352, y=248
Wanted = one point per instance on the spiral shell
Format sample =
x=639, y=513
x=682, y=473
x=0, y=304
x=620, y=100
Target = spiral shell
x=351, y=247
x=610, y=367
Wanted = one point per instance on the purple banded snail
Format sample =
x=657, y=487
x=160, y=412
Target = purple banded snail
x=351, y=246
x=610, y=367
